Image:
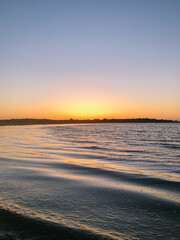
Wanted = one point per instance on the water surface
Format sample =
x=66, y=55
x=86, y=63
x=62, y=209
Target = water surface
x=90, y=181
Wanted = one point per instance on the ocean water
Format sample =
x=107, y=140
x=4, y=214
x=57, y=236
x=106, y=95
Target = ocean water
x=90, y=181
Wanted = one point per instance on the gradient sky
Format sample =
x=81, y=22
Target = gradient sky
x=90, y=58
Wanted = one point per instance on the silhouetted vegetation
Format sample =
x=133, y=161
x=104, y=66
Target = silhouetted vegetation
x=30, y=121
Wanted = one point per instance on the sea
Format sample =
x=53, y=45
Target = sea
x=90, y=181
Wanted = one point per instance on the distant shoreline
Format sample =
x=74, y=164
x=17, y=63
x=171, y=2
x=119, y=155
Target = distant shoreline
x=30, y=121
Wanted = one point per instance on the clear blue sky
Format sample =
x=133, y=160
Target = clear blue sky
x=120, y=55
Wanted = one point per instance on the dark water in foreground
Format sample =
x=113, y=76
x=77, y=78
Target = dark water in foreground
x=106, y=181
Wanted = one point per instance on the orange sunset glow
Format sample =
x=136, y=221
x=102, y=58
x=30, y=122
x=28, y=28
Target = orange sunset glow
x=70, y=61
x=89, y=119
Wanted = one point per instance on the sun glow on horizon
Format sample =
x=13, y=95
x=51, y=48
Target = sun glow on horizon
x=66, y=60
x=85, y=109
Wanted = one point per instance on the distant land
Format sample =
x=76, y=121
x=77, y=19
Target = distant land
x=31, y=121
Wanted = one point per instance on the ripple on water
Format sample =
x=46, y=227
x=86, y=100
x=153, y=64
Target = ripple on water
x=107, y=181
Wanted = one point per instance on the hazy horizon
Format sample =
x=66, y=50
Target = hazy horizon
x=90, y=59
x=87, y=119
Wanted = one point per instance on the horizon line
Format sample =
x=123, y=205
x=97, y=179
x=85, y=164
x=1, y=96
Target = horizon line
x=86, y=119
x=35, y=121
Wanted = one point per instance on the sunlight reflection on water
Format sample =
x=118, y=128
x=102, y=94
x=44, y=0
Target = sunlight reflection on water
x=102, y=178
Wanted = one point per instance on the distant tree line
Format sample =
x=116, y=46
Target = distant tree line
x=30, y=121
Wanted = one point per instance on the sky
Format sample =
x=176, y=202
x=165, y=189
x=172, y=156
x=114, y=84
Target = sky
x=88, y=59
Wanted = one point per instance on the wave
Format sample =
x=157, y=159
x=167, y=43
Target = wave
x=17, y=226
x=171, y=146
x=89, y=182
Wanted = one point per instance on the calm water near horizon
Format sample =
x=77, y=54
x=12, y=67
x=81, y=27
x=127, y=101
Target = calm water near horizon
x=90, y=181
